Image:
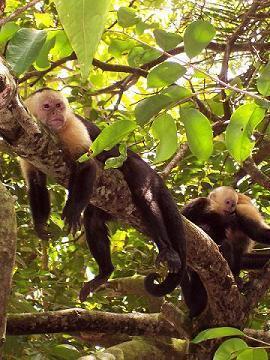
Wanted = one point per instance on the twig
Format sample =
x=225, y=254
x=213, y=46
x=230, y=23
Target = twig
x=256, y=175
x=225, y=63
x=17, y=12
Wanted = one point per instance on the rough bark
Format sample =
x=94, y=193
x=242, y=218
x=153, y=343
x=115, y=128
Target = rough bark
x=74, y=320
x=8, y=233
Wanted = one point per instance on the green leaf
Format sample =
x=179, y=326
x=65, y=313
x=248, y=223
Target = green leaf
x=116, y=162
x=197, y=36
x=263, y=82
x=164, y=130
x=152, y=105
x=140, y=55
x=216, y=333
x=253, y=354
x=199, y=133
x=239, y=131
x=23, y=49
x=167, y=40
x=62, y=47
x=65, y=352
x=127, y=17
x=42, y=61
x=229, y=349
x=165, y=74
x=83, y=22
x=118, y=46
x=7, y=31
x=112, y=135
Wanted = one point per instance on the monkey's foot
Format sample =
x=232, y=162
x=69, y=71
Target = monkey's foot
x=171, y=258
x=42, y=231
x=91, y=286
x=72, y=218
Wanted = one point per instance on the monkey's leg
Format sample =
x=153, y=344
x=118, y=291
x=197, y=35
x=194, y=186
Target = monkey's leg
x=80, y=188
x=144, y=185
x=99, y=245
x=39, y=202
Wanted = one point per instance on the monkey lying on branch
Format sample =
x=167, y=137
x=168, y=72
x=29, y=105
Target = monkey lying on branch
x=234, y=223
x=150, y=195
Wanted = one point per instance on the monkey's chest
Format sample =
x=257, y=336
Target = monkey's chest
x=76, y=142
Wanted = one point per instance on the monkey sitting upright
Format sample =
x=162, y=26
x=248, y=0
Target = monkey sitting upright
x=233, y=222
x=155, y=203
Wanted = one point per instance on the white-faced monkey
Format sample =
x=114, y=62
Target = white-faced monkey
x=155, y=203
x=232, y=221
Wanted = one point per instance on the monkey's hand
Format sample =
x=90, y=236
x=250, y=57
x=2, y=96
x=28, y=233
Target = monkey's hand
x=42, y=231
x=171, y=258
x=72, y=218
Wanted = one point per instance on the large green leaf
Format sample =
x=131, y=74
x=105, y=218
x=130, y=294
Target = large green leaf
x=165, y=74
x=112, y=135
x=23, y=48
x=216, y=333
x=263, y=82
x=238, y=134
x=197, y=36
x=167, y=40
x=83, y=22
x=152, y=105
x=229, y=349
x=199, y=133
x=164, y=130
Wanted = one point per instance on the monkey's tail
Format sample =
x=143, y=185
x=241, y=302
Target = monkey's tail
x=175, y=229
x=171, y=281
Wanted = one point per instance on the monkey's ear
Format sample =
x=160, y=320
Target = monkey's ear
x=212, y=195
x=31, y=104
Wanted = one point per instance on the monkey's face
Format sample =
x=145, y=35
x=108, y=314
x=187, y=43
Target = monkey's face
x=52, y=112
x=51, y=108
x=224, y=200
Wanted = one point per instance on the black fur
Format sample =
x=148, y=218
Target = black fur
x=216, y=225
x=157, y=207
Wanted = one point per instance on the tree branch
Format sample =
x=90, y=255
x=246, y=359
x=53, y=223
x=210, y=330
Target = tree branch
x=74, y=320
x=17, y=12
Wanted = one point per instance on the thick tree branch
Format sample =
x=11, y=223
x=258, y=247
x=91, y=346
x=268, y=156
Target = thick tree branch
x=112, y=195
x=74, y=320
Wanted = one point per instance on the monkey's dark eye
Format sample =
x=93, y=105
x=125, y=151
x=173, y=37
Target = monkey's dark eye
x=58, y=105
x=46, y=106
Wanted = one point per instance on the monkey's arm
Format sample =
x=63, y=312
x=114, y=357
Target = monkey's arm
x=80, y=188
x=253, y=226
x=38, y=197
x=253, y=261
